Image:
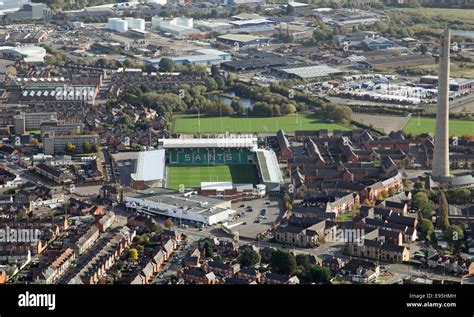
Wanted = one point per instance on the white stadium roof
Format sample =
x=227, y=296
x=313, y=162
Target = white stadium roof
x=242, y=142
x=151, y=166
x=269, y=168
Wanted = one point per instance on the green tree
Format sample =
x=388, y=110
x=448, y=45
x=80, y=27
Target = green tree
x=319, y=274
x=443, y=220
x=120, y=265
x=392, y=191
x=237, y=106
x=454, y=234
x=249, y=257
x=168, y=223
x=214, y=70
x=149, y=68
x=157, y=229
x=423, y=49
x=427, y=228
x=133, y=254
x=69, y=148
x=34, y=141
x=283, y=262
x=289, y=9
x=423, y=203
x=220, y=82
x=86, y=147
x=210, y=84
x=166, y=65
x=126, y=119
x=302, y=260
x=206, y=246
x=288, y=109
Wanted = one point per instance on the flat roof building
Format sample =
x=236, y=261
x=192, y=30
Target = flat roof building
x=307, y=72
x=31, y=121
x=30, y=11
x=188, y=206
x=29, y=54
x=242, y=40
x=56, y=144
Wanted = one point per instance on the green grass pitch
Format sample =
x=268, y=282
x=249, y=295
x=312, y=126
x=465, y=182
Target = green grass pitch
x=192, y=176
x=458, y=127
x=290, y=123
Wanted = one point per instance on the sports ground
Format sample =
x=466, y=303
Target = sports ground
x=457, y=127
x=192, y=176
x=290, y=123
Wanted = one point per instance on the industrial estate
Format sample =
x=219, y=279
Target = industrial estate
x=237, y=142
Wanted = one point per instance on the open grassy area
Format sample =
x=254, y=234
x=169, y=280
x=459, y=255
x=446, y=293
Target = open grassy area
x=458, y=69
x=458, y=127
x=290, y=123
x=192, y=176
x=441, y=14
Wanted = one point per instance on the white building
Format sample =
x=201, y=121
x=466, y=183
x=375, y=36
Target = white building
x=188, y=206
x=136, y=24
x=269, y=170
x=155, y=2
x=124, y=25
x=176, y=26
x=150, y=168
x=118, y=25
x=30, y=54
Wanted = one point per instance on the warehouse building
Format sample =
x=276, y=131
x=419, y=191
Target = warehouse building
x=202, y=57
x=307, y=72
x=29, y=12
x=242, y=40
x=176, y=26
x=29, y=54
x=455, y=84
x=189, y=59
x=167, y=203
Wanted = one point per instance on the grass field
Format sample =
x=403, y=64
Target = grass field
x=458, y=127
x=302, y=121
x=192, y=176
x=443, y=14
x=458, y=69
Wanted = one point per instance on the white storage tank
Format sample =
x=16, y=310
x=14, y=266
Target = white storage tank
x=188, y=22
x=155, y=21
x=111, y=23
x=121, y=26
x=136, y=24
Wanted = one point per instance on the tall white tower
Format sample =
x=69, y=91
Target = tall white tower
x=441, y=147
